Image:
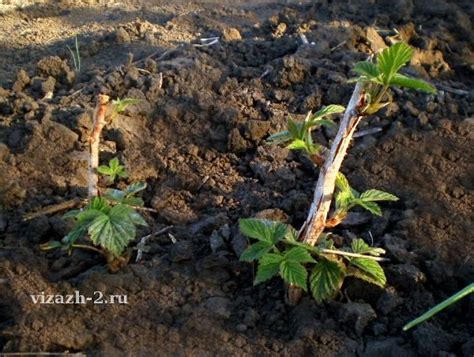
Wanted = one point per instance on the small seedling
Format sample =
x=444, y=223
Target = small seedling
x=113, y=170
x=309, y=256
x=109, y=221
x=121, y=104
x=76, y=56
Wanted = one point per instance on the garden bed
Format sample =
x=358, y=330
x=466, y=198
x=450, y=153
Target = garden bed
x=198, y=139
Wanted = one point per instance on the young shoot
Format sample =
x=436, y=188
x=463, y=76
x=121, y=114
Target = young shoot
x=113, y=170
x=308, y=257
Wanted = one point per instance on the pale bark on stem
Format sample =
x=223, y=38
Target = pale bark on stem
x=94, y=141
x=316, y=221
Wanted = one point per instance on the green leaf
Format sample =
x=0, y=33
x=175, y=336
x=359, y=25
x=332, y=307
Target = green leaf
x=294, y=273
x=320, y=122
x=104, y=170
x=268, y=267
x=392, y=59
x=375, y=107
x=97, y=203
x=343, y=200
x=279, y=138
x=372, y=207
x=266, y=272
x=400, y=80
x=342, y=183
x=137, y=218
x=377, y=195
x=121, y=104
x=368, y=270
x=135, y=188
x=360, y=247
x=366, y=69
x=53, y=244
x=328, y=110
x=299, y=255
x=294, y=129
x=297, y=144
x=326, y=279
x=255, y=251
x=114, y=195
x=113, y=231
x=72, y=213
x=262, y=229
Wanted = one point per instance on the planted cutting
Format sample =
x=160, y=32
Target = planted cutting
x=110, y=219
x=309, y=257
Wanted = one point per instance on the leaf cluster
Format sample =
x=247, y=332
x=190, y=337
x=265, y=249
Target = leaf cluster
x=298, y=136
x=347, y=198
x=385, y=73
x=113, y=170
x=278, y=253
x=110, y=222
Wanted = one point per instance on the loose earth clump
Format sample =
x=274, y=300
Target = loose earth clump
x=197, y=138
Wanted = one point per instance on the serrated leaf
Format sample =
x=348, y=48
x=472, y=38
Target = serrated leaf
x=360, y=247
x=326, y=279
x=400, y=80
x=133, y=201
x=391, y=59
x=343, y=200
x=368, y=270
x=294, y=273
x=114, y=164
x=266, y=272
x=328, y=110
x=137, y=218
x=113, y=231
x=367, y=70
x=342, y=183
x=97, y=203
x=279, y=138
x=263, y=229
x=255, y=251
x=104, y=170
x=299, y=255
x=372, y=207
x=377, y=195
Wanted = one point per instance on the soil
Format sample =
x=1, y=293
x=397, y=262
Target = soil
x=198, y=140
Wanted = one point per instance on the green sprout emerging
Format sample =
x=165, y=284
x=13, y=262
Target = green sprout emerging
x=76, y=56
x=113, y=170
x=322, y=267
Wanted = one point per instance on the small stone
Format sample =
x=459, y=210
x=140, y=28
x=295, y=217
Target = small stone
x=376, y=41
x=241, y=328
x=4, y=151
x=257, y=129
x=181, y=251
x=231, y=34
x=216, y=241
x=122, y=36
x=219, y=306
x=236, y=143
x=388, y=301
x=280, y=29
x=48, y=85
x=357, y=315
x=406, y=276
x=409, y=106
x=22, y=80
x=239, y=244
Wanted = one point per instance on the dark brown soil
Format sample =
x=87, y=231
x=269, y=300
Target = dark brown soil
x=198, y=141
